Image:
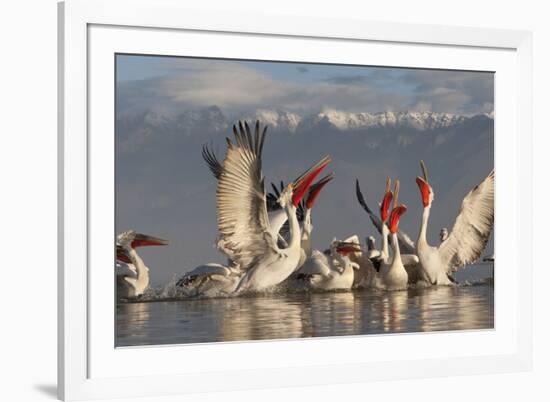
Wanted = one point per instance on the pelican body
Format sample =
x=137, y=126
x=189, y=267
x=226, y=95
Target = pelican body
x=332, y=270
x=135, y=280
x=469, y=235
x=245, y=232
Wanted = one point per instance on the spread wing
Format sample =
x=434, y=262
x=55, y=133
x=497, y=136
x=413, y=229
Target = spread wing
x=406, y=245
x=212, y=161
x=472, y=226
x=241, y=200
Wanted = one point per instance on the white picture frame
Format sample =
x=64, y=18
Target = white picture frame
x=90, y=32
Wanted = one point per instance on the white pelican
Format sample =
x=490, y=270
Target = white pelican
x=393, y=275
x=331, y=270
x=211, y=280
x=242, y=213
x=303, y=212
x=135, y=280
x=276, y=214
x=406, y=245
x=382, y=256
x=216, y=279
x=365, y=275
x=468, y=237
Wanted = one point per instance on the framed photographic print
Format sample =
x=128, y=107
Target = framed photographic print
x=242, y=199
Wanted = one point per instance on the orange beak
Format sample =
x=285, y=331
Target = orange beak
x=425, y=191
x=385, y=207
x=395, y=216
x=347, y=248
x=302, y=184
x=142, y=240
x=315, y=190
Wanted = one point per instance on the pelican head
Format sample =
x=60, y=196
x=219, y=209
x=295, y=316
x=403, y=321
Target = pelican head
x=395, y=215
x=345, y=248
x=295, y=191
x=386, y=201
x=425, y=189
x=133, y=239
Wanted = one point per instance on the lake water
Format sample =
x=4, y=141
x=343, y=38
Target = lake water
x=303, y=315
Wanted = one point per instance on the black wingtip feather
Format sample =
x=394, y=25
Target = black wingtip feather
x=360, y=197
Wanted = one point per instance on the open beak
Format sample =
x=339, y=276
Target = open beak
x=302, y=183
x=122, y=255
x=395, y=216
x=143, y=240
x=345, y=248
x=315, y=190
x=385, y=207
x=425, y=190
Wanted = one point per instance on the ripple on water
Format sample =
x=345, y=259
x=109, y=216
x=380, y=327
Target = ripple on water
x=303, y=315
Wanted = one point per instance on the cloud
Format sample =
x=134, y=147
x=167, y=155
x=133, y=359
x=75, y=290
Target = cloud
x=238, y=88
x=347, y=79
x=451, y=91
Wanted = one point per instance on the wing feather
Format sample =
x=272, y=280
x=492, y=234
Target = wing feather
x=241, y=200
x=472, y=226
x=212, y=160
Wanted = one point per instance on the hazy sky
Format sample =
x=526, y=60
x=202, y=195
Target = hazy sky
x=165, y=189
x=172, y=83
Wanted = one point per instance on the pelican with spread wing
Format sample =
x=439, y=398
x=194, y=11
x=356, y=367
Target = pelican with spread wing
x=243, y=221
x=468, y=238
x=215, y=279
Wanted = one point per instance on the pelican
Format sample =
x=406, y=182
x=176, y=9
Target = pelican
x=242, y=213
x=406, y=245
x=210, y=280
x=331, y=270
x=135, y=280
x=276, y=214
x=469, y=235
x=393, y=275
x=303, y=212
x=382, y=256
x=365, y=274
x=217, y=279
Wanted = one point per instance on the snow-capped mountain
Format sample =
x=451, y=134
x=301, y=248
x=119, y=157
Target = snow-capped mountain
x=192, y=123
x=416, y=120
x=277, y=119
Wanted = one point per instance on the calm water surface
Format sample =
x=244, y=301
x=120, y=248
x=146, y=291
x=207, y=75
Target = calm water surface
x=299, y=315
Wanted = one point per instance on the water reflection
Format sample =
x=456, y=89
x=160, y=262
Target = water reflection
x=304, y=315
x=262, y=318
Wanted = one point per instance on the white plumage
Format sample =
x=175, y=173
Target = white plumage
x=243, y=222
x=469, y=235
